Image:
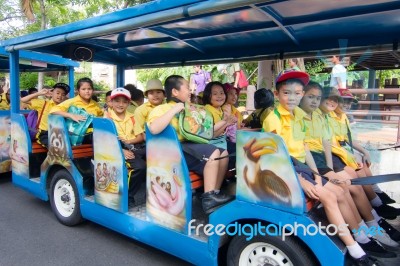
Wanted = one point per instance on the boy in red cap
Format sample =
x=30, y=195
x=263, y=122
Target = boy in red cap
x=124, y=122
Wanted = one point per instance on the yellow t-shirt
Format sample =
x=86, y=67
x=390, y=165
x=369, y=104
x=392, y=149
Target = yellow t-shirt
x=339, y=130
x=125, y=127
x=317, y=130
x=92, y=107
x=290, y=127
x=4, y=104
x=159, y=111
x=217, y=114
x=132, y=107
x=141, y=114
x=38, y=104
x=340, y=126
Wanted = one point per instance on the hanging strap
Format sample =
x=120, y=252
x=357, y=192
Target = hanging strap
x=41, y=114
x=387, y=148
x=349, y=135
x=202, y=157
x=355, y=181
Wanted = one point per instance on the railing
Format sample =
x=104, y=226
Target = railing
x=385, y=104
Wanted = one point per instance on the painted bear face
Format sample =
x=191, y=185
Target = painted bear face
x=56, y=141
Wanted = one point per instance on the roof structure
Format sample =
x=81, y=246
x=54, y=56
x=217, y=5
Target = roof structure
x=173, y=33
x=33, y=61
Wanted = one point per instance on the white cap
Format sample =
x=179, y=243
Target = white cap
x=120, y=92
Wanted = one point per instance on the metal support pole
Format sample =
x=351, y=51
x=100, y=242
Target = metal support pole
x=120, y=76
x=71, y=81
x=14, y=81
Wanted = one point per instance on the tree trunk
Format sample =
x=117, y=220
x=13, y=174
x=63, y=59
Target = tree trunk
x=300, y=64
x=42, y=27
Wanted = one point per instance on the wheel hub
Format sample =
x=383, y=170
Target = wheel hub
x=64, y=197
x=263, y=254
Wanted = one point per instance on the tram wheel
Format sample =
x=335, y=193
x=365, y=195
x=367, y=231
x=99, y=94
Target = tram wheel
x=64, y=198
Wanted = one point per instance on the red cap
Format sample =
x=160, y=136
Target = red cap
x=346, y=94
x=228, y=87
x=293, y=74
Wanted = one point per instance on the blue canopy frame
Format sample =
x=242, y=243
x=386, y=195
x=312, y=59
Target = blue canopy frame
x=187, y=32
x=11, y=62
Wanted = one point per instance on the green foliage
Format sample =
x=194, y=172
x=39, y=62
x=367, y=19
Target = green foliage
x=143, y=75
x=315, y=67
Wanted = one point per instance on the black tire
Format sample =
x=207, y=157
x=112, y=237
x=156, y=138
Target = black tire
x=267, y=250
x=64, y=198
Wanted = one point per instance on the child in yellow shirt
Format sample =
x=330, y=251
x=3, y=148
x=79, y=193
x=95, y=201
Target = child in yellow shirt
x=43, y=108
x=287, y=120
x=155, y=94
x=317, y=140
x=82, y=100
x=5, y=100
x=214, y=98
x=177, y=92
x=134, y=156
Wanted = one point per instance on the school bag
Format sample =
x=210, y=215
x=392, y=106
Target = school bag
x=33, y=121
x=77, y=131
x=196, y=124
x=256, y=119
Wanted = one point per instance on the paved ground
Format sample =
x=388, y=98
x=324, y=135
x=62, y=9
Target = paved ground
x=31, y=235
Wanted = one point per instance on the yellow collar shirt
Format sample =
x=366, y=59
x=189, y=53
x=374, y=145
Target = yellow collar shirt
x=290, y=127
x=159, y=111
x=4, y=104
x=125, y=127
x=38, y=105
x=317, y=130
x=217, y=113
x=132, y=107
x=92, y=107
x=141, y=115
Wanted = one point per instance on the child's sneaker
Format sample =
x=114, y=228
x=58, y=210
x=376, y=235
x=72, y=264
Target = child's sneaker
x=385, y=198
x=389, y=229
x=387, y=212
x=365, y=261
x=385, y=239
x=372, y=248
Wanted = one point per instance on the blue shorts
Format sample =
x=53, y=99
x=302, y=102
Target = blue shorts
x=193, y=162
x=306, y=172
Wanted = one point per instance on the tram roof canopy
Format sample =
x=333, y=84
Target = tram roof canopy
x=32, y=62
x=187, y=32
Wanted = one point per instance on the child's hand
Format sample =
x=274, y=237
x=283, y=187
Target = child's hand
x=367, y=158
x=128, y=154
x=231, y=120
x=77, y=118
x=179, y=107
x=227, y=109
x=309, y=189
x=43, y=91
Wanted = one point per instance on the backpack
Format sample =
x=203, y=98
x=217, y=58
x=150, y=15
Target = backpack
x=256, y=119
x=196, y=124
x=77, y=131
x=33, y=121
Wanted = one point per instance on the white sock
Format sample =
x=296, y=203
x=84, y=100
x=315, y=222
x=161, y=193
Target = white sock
x=372, y=223
x=355, y=251
x=376, y=215
x=376, y=202
x=361, y=237
x=376, y=188
x=363, y=226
